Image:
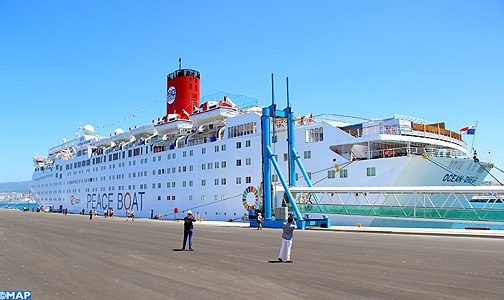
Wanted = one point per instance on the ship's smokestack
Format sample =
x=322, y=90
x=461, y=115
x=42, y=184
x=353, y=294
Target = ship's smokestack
x=183, y=91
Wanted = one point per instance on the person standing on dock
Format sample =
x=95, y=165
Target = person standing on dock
x=259, y=221
x=287, y=234
x=90, y=214
x=188, y=230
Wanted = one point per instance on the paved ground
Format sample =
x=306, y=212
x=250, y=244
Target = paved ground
x=71, y=257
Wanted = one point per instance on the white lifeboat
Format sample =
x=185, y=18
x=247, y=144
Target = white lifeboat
x=121, y=136
x=144, y=131
x=173, y=124
x=212, y=111
x=104, y=143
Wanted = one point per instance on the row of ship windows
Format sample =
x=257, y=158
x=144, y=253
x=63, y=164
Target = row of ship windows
x=242, y=129
x=173, y=170
x=314, y=135
x=143, y=186
x=139, y=151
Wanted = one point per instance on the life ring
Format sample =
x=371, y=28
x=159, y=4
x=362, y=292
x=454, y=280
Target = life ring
x=248, y=190
x=388, y=153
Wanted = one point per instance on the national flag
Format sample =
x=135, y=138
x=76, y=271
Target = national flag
x=469, y=129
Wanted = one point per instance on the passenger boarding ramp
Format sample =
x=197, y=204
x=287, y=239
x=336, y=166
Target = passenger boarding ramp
x=458, y=203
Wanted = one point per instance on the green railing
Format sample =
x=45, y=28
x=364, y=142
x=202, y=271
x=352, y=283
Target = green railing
x=467, y=214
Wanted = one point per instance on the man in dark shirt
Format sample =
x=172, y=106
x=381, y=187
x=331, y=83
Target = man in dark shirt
x=188, y=230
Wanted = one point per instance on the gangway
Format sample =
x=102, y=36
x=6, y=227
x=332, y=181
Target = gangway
x=412, y=202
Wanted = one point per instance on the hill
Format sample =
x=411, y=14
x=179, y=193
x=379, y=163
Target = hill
x=20, y=187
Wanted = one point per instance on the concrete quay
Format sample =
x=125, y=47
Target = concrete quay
x=72, y=257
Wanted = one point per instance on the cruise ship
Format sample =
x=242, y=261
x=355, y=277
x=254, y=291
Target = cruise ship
x=207, y=157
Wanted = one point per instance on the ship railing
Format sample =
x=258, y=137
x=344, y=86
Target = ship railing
x=441, y=134
x=406, y=151
x=411, y=202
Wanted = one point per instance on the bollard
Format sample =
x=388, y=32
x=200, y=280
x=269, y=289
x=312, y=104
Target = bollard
x=359, y=225
x=201, y=219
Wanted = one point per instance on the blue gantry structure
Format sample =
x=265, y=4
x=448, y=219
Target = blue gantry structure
x=269, y=136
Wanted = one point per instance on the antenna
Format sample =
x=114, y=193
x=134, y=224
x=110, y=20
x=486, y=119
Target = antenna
x=180, y=63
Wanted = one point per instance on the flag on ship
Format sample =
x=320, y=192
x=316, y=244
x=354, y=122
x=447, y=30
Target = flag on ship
x=469, y=129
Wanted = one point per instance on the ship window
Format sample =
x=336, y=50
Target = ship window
x=371, y=171
x=223, y=164
x=190, y=197
x=248, y=179
x=216, y=181
x=190, y=152
x=248, y=161
x=203, y=150
x=203, y=182
x=223, y=147
x=223, y=181
x=343, y=173
x=238, y=162
x=307, y=154
x=247, y=143
x=238, y=145
x=238, y=180
x=216, y=148
x=203, y=166
x=331, y=174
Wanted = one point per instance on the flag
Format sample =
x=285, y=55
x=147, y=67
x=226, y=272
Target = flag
x=469, y=129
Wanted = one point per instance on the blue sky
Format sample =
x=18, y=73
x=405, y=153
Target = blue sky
x=96, y=62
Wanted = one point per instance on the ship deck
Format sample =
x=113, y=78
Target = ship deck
x=71, y=257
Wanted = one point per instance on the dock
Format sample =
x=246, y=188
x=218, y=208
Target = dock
x=71, y=257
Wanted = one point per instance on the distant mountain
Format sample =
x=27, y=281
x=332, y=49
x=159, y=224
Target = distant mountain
x=20, y=187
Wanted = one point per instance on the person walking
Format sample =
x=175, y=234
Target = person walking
x=132, y=214
x=259, y=221
x=188, y=230
x=90, y=214
x=288, y=233
x=127, y=215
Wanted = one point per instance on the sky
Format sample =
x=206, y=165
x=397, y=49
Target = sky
x=70, y=63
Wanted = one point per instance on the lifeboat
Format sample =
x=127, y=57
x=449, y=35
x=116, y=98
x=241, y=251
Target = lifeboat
x=144, y=131
x=121, y=136
x=104, y=143
x=172, y=124
x=212, y=111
